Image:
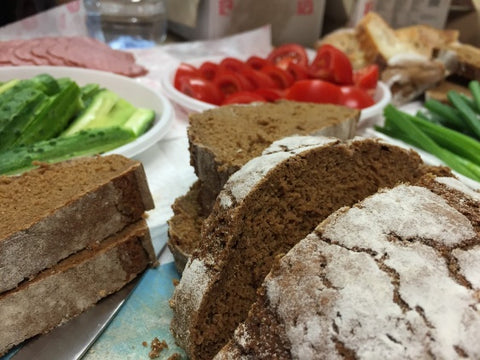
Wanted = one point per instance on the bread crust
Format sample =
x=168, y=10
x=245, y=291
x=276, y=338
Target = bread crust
x=73, y=285
x=105, y=208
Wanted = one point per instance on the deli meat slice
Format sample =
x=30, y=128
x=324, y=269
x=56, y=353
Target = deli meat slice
x=74, y=51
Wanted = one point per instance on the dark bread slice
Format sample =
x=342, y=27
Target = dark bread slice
x=73, y=285
x=221, y=140
x=56, y=210
x=184, y=226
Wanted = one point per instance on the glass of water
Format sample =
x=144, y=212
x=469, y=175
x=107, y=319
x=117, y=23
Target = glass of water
x=127, y=23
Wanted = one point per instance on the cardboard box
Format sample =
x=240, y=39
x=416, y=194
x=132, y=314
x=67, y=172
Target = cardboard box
x=298, y=21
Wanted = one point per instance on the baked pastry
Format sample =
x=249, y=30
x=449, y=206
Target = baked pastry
x=265, y=208
x=56, y=210
x=460, y=59
x=215, y=156
x=393, y=277
x=73, y=285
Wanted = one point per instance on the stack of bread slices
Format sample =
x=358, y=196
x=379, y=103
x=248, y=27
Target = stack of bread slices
x=71, y=233
x=328, y=248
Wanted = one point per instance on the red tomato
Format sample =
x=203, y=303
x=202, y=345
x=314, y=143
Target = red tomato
x=243, y=97
x=314, y=90
x=299, y=72
x=354, y=97
x=367, y=77
x=208, y=70
x=282, y=78
x=200, y=89
x=271, y=94
x=184, y=70
x=258, y=79
x=284, y=54
x=229, y=82
x=257, y=62
x=331, y=64
x=232, y=64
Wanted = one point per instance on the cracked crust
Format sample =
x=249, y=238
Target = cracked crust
x=395, y=276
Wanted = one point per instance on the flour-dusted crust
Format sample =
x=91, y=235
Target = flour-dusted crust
x=265, y=208
x=394, y=277
x=59, y=209
x=73, y=285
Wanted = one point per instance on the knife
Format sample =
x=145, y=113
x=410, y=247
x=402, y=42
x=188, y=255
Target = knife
x=73, y=339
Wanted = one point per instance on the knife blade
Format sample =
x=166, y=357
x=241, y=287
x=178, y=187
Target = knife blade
x=73, y=339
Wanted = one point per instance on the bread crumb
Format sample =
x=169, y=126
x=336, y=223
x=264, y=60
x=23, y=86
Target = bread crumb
x=157, y=347
x=175, y=282
x=175, y=356
x=144, y=344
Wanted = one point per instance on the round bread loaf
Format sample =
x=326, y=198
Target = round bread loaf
x=394, y=277
x=265, y=208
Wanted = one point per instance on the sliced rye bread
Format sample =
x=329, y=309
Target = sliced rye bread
x=64, y=291
x=265, y=208
x=215, y=156
x=440, y=91
x=393, y=277
x=58, y=209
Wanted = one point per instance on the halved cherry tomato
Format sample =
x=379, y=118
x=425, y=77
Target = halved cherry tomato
x=184, y=70
x=299, y=72
x=232, y=64
x=314, y=90
x=243, y=97
x=284, y=54
x=258, y=79
x=354, y=97
x=271, y=94
x=257, y=62
x=367, y=77
x=331, y=64
x=200, y=89
x=281, y=77
x=208, y=70
x=229, y=82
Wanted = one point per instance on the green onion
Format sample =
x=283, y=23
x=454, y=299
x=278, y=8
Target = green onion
x=474, y=87
x=468, y=115
x=448, y=115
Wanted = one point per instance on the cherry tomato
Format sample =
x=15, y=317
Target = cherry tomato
x=208, y=70
x=232, y=64
x=314, y=90
x=243, y=97
x=184, y=70
x=354, y=97
x=200, y=89
x=257, y=62
x=331, y=64
x=229, y=82
x=282, y=78
x=367, y=77
x=258, y=79
x=299, y=72
x=284, y=54
x=271, y=94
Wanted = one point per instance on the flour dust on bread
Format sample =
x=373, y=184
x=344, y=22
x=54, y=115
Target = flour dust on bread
x=265, y=208
x=58, y=209
x=215, y=156
x=395, y=276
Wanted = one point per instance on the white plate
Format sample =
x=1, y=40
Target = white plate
x=382, y=94
x=127, y=88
